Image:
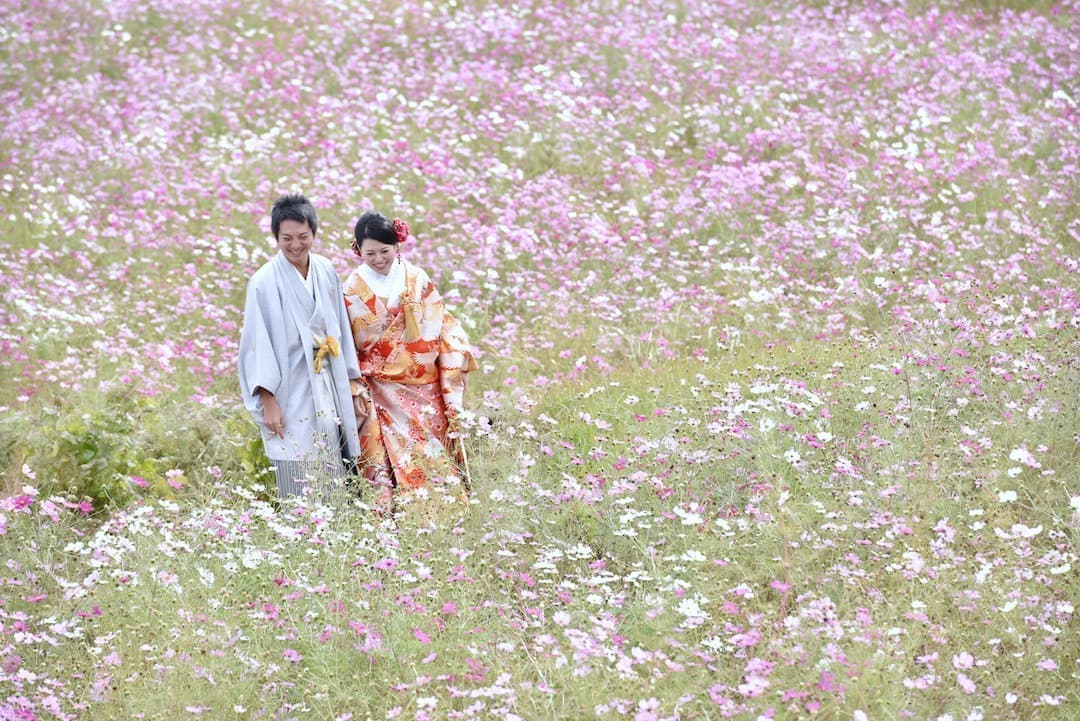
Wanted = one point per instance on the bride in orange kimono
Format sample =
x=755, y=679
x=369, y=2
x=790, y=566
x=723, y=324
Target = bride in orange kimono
x=414, y=357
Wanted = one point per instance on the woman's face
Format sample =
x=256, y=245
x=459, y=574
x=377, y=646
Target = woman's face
x=377, y=255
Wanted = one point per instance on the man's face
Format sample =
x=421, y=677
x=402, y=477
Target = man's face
x=295, y=239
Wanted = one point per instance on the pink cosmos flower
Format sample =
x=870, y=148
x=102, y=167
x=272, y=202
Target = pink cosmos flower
x=963, y=660
x=175, y=478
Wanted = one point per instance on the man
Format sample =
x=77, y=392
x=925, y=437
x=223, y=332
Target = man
x=297, y=357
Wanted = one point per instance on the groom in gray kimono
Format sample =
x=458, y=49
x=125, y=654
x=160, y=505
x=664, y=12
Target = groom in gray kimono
x=297, y=358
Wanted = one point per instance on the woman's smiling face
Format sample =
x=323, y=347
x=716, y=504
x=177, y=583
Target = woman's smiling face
x=377, y=255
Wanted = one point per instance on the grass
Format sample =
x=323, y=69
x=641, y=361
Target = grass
x=200, y=643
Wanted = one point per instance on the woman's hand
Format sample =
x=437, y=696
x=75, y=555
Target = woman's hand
x=361, y=395
x=273, y=418
x=453, y=420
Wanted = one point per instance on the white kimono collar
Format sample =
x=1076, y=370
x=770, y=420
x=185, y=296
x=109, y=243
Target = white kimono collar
x=388, y=287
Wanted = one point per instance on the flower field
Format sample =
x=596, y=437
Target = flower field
x=776, y=310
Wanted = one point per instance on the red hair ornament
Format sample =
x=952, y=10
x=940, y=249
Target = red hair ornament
x=401, y=230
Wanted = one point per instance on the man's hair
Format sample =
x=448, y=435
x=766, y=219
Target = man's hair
x=293, y=207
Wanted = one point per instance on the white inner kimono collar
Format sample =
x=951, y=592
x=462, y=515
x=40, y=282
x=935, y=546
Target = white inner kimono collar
x=389, y=287
x=309, y=282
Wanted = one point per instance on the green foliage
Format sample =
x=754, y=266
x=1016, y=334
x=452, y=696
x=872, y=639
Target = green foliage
x=85, y=454
x=112, y=448
x=251, y=457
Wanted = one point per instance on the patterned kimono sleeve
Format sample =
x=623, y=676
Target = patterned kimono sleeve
x=363, y=320
x=455, y=361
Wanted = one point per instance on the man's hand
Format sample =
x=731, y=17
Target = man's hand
x=272, y=415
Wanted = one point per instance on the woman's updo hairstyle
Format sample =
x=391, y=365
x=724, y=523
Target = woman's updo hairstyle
x=378, y=227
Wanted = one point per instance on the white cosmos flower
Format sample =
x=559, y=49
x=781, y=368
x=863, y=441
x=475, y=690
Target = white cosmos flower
x=1023, y=455
x=689, y=518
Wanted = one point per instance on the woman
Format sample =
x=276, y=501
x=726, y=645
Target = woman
x=297, y=361
x=414, y=357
